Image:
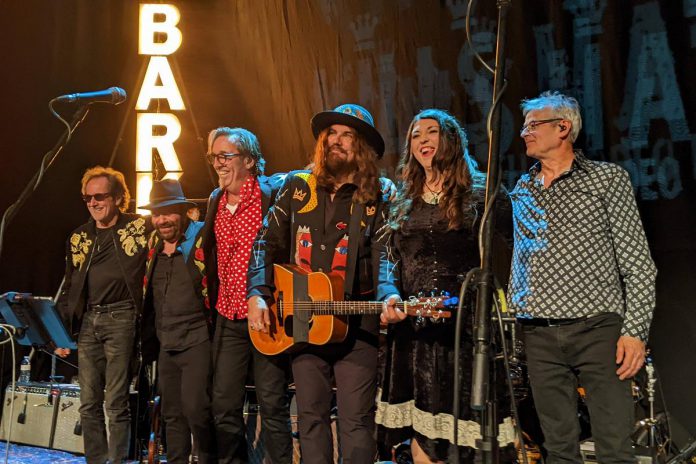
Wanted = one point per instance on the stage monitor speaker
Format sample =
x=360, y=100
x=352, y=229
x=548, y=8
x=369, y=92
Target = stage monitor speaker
x=68, y=431
x=34, y=414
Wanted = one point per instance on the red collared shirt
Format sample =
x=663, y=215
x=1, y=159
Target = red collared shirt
x=235, y=233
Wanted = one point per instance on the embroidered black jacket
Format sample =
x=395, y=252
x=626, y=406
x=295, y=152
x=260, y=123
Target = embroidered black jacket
x=305, y=228
x=130, y=241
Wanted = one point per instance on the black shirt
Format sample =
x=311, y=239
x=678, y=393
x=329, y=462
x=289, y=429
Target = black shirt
x=105, y=280
x=179, y=319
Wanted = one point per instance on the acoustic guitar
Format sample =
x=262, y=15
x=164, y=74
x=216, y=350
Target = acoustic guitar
x=309, y=309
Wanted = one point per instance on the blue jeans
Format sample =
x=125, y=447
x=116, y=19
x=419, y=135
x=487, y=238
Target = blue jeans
x=105, y=351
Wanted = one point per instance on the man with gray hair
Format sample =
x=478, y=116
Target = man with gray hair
x=582, y=284
x=234, y=216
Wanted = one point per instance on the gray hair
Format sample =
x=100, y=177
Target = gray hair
x=562, y=106
x=245, y=140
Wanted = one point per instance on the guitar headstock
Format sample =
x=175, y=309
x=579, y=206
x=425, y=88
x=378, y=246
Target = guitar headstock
x=434, y=307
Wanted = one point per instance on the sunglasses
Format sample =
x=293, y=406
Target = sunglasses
x=96, y=196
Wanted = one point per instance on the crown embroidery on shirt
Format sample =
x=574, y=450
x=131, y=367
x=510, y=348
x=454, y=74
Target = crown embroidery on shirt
x=299, y=195
x=370, y=210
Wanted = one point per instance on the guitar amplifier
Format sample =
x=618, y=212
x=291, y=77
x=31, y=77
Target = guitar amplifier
x=33, y=416
x=68, y=431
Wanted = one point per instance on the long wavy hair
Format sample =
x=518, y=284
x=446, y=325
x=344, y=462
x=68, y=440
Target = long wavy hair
x=463, y=184
x=366, y=176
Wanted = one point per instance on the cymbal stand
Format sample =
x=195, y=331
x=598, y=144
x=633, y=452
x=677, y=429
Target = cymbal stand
x=652, y=426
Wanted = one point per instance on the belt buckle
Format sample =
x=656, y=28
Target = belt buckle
x=550, y=323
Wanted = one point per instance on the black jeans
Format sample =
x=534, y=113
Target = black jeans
x=585, y=351
x=232, y=352
x=354, y=367
x=105, y=351
x=185, y=378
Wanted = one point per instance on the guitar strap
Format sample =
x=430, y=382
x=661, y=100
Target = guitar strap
x=353, y=245
x=300, y=324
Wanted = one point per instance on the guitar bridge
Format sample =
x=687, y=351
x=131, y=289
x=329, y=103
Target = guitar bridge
x=279, y=307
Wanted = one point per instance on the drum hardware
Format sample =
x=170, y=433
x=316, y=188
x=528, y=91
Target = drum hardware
x=650, y=433
x=687, y=455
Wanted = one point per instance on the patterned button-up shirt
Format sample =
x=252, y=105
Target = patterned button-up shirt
x=580, y=248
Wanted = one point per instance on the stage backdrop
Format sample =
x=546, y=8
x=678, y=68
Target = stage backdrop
x=269, y=65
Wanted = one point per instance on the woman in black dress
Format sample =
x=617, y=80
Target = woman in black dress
x=433, y=240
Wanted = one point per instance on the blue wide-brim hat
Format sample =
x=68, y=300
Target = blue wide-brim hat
x=354, y=116
x=167, y=192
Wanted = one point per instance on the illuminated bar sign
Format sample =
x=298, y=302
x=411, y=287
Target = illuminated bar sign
x=159, y=38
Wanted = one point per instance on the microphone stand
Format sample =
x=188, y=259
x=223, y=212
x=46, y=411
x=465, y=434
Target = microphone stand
x=46, y=162
x=483, y=381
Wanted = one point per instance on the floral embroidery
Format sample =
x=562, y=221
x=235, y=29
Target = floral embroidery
x=132, y=236
x=79, y=246
x=199, y=261
x=199, y=256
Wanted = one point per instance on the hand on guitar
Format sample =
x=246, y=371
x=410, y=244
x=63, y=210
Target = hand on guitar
x=257, y=316
x=390, y=312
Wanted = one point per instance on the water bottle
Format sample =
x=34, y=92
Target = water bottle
x=25, y=370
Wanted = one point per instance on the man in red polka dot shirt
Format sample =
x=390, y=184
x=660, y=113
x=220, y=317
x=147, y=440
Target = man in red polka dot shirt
x=234, y=216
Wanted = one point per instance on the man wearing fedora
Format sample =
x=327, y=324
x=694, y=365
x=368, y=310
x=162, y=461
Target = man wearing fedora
x=235, y=212
x=101, y=301
x=327, y=220
x=175, y=289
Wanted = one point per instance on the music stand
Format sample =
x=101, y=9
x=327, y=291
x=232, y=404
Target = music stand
x=36, y=320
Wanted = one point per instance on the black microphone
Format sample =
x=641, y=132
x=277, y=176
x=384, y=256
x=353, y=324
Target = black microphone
x=113, y=95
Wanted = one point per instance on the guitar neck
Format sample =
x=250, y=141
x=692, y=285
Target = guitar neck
x=339, y=308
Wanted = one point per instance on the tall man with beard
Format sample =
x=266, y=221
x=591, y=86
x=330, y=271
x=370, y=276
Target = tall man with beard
x=235, y=211
x=102, y=296
x=309, y=226
x=175, y=289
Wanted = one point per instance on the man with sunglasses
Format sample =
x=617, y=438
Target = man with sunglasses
x=234, y=216
x=582, y=284
x=102, y=299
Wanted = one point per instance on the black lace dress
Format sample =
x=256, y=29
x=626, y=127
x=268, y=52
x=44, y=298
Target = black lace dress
x=416, y=392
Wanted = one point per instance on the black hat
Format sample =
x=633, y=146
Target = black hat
x=167, y=192
x=354, y=116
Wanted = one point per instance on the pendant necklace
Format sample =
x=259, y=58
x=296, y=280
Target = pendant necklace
x=434, y=197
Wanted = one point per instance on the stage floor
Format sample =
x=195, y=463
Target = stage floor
x=23, y=454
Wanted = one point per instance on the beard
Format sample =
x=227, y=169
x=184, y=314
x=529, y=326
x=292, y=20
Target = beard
x=171, y=233
x=338, y=162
